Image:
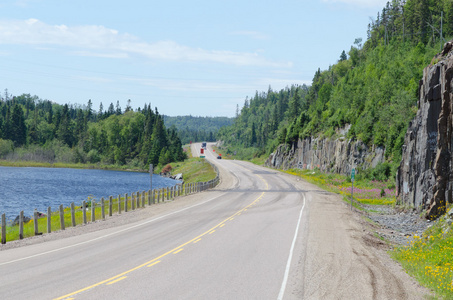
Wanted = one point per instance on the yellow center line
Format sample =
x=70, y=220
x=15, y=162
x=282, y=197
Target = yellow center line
x=115, y=281
x=154, y=263
x=222, y=225
x=197, y=241
x=212, y=232
x=177, y=251
x=119, y=276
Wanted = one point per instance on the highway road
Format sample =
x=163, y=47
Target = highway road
x=260, y=234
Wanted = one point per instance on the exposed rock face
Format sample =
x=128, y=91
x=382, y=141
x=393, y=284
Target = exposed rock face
x=338, y=156
x=424, y=178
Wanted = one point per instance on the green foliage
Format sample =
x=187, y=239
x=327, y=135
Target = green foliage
x=197, y=129
x=32, y=129
x=375, y=90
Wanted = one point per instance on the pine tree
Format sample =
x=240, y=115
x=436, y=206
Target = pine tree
x=18, y=130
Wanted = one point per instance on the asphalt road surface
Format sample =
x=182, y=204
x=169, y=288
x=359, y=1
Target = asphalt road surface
x=260, y=234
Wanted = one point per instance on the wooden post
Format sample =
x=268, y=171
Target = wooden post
x=102, y=208
x=133, y=201
x=84, y=211
x=110, y=206
x=137, y=198
x=73, y=222
x=21, y=225
x=143, y=199
x=49, y=220
x=149, y=197
x=61, y=217
x=153, y=195
x=119, y=204
x=35, y=222
x=125, y=202
x=158, y=195
x=151, y=171
x=3, y=229
x=93, y=210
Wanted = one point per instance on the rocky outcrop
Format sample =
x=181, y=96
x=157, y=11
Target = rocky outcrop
x=328, y=155
x=424, y=178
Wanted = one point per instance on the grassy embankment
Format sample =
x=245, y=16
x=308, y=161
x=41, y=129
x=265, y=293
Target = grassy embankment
x=193, y=169
x=428, y=258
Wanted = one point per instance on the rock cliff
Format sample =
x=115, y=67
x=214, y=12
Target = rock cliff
x=328, y=155
x=424, y=178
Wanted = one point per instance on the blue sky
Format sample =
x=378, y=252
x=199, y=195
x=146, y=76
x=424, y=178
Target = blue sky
x=184, y=57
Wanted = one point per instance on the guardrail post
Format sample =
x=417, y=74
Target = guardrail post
x=143, y=199
x=132, y=201
x=61, y=217
x=35, y=222
x=138, y=198
x=102, y=209
x=49, y=220
x=3, y=229
x=73, y=222
x=21, y=225
x=125, y=202
x=153, y=195
x=149, y=197
x=119, y=204
x=93, y=210
x=110, y=206
x=84, y=211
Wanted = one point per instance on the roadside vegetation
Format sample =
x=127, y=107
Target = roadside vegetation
x=429, y=258
x=366, y=191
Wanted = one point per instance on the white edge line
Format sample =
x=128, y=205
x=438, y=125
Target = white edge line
x=288, y=264
x=107, y=235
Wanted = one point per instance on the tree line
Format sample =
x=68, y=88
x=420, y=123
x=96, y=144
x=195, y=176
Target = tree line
x=373, y=88
x=197, y=129
x=50, y=132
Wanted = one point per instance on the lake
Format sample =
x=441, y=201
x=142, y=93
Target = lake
x=29, y=188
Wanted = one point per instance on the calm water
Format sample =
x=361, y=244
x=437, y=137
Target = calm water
x=29, y=188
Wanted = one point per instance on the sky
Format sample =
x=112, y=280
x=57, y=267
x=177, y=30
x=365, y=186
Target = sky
x=199, y=58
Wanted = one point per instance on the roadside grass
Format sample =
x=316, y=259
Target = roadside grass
x=369, y=192
x=194, y=170
x=429, y=258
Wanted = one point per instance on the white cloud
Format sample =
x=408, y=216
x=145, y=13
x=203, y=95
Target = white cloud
x=362, y=3
x=93, y=39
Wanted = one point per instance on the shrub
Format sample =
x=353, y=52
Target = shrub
x=167, y=169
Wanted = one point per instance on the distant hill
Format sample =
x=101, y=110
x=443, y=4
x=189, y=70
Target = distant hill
x=197, y=129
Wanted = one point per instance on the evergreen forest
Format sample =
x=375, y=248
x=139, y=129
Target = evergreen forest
x=33, y=129
x=373, y=87
x=197, y=129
